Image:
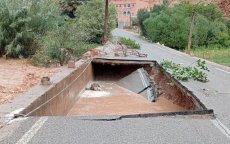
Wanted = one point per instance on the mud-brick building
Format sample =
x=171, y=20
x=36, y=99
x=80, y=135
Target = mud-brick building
x=127, y=9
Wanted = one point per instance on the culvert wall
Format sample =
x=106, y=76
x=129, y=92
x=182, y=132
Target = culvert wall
x=60, y=98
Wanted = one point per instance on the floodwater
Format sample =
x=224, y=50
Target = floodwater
x=115, y=100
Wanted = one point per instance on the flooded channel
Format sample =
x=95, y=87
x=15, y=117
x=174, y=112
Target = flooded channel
x=115, y=100
x=93, y=89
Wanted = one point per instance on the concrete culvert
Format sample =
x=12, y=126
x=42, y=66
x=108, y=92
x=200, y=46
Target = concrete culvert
x=106, y=87
x=139, y=82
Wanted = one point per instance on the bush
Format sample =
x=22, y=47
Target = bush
x=65, y=41
x=37, y=27
x=142, y=15
x=91, y=20
x=170, y=26
x=21, y=22
x=129, y=43
x=41, y=59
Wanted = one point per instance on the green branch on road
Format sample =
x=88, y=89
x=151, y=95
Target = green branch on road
x=186, y=73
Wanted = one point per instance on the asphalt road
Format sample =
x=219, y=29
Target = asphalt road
x=71, y=130
x=215, y=94
x=173, y=130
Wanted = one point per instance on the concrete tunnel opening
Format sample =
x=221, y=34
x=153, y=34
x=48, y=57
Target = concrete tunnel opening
x=105, y=87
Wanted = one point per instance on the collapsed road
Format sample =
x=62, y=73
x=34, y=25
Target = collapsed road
x=182, y=126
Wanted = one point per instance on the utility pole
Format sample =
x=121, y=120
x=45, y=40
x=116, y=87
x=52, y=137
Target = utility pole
x=188, y=49
x=105, y=35
x=193, y=10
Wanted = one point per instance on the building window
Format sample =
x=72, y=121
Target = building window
x=127, y=5
x=128, y=13
x=124, y=13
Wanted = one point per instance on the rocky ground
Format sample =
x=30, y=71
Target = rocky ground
x=17, y=76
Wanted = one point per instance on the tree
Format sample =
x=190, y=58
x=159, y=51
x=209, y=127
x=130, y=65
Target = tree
x=21, y=21
x=69, y=7
x=91, y=20
x=211, y=12
x=169, y=28
x=142, y=15
x=185, y=25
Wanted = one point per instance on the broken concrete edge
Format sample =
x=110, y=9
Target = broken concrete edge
x=16, y=107
x=178, y=83
x=198, y=114
x=142, y=87
x=32, y=96
x=184, y=89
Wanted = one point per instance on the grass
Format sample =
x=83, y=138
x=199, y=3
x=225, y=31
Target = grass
x=129, y=43
x=217, y=55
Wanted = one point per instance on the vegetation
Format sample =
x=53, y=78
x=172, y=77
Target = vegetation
x=197, y=28
x=46, y=31
x=171, y=25
x=129, y=43
x=144, y=14
x=218, y=55
x=20, y=23
x=186, y=73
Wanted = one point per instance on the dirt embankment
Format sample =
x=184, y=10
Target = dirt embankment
x=17, y=76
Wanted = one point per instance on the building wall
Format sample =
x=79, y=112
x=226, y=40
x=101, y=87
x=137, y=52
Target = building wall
x=127, y=9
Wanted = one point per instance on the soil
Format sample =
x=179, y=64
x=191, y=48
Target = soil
x=170, y=91
x=17, y=76
x=116, y=100
x=224, y=5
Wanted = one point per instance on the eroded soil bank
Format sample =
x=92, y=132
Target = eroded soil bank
x=18, y=76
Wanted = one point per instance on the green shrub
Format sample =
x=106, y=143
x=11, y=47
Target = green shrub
x=64, y=42
x=21, y=21
x=129, y=43
x=170, y=26
x=36, y=29
x=91, y=20
x=40, y=58
x=142, y=15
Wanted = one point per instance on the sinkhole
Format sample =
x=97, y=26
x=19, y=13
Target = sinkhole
x=117, y=87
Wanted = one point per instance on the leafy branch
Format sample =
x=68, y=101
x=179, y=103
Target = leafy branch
x=186, y=73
